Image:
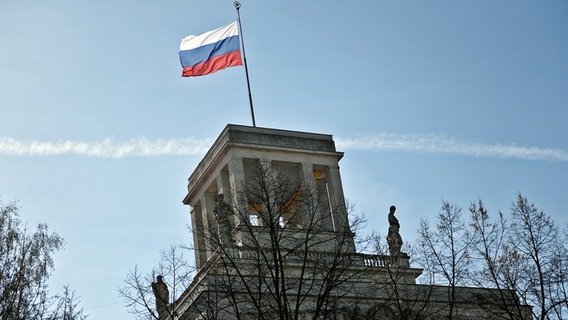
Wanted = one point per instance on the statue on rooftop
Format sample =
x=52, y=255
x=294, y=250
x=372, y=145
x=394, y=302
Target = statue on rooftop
x=222, y=212
x=393, y=238
x=162, y=295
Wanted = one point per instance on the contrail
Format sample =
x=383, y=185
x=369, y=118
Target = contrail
x=143, y=147
x=440, y=144
x=107, y=148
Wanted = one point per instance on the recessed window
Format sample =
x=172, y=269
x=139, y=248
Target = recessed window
x=253, y=219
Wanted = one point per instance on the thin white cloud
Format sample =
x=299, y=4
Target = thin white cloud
x=143, y=147
x=432, y=143
x=107, y=148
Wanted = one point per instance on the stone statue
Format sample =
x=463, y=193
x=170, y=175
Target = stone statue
x=393, y=238
x=222, y=212
x=162, y=295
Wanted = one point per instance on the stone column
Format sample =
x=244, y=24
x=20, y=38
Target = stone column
x=309, y=185
x=207, y=200
x=198, y=236
x=337, y=198
x=224, y=186
x=236, y=178
x=308, y=174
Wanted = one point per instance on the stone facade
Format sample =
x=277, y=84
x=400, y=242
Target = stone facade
x=287, y=251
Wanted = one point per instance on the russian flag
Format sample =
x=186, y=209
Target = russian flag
x=210, y=51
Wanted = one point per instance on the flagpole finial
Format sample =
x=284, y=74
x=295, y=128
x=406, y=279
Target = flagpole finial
x=237, y=5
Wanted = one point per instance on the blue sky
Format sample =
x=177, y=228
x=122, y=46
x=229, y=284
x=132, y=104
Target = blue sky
x=429, y=100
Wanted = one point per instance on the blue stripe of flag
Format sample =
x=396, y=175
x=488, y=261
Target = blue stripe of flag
x=189, y=58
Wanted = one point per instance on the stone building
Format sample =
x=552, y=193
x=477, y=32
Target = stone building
x=273, y=240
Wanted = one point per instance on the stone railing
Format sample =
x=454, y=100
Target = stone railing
x=356, y=259
x=359, y=261
x=374, y=260
x=383, y=261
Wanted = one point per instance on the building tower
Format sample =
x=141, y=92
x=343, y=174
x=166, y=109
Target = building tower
x=273, y=239
x=238, y=155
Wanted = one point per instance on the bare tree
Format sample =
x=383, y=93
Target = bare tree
x=445, y=251
x=542, y=256
x=515, y=261
x=136, y=290
x=404, y=300
x=67, y=307
x=288, y=252
x=26, y=263
x=523, y=257
x=497, y=266
x=278, y=249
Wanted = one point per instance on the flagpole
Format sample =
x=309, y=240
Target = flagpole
x=238, y=6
